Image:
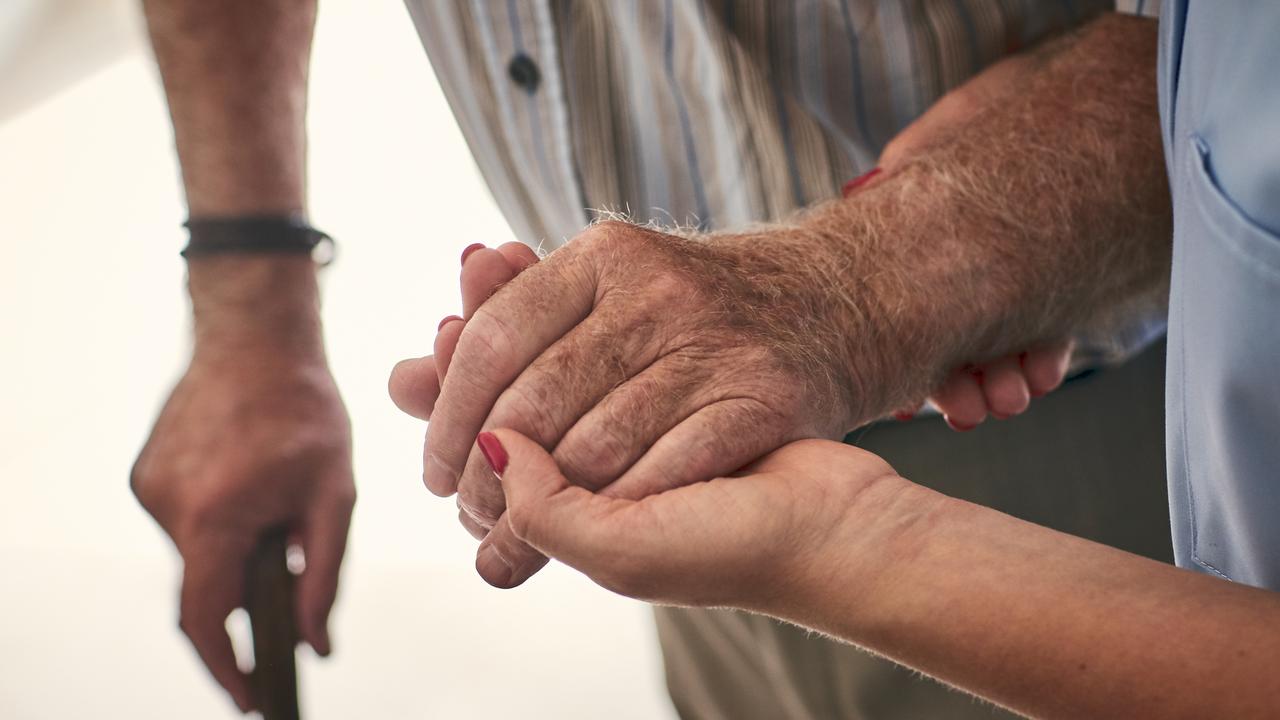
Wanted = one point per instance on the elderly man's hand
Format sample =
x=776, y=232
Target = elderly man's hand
x=645, y=361
x=415, y=384
x=253, y=437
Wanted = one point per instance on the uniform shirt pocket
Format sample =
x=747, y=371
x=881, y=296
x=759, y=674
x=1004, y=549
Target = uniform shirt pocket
x=1225, y=382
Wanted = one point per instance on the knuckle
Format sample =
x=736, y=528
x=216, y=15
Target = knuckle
x=611, y=241
x=191, y=622
x=139, y=485
x=211, y=509
x=483, y=348
x=521, y=519
x=592, y=464
x=607, y=235
x=345, y=496
x=522, y=408
x=479, y=502
x=203, y=513
x=525, y=409
x=184, y=624
x=892, y=151
x=350, y=495
x=659, y=292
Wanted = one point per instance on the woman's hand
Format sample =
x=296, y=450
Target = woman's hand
x=760, y=539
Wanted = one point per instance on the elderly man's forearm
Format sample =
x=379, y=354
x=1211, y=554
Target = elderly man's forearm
x=235, y=74
x=1040, y=214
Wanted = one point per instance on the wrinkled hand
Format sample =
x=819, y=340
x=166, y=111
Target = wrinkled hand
x=1002, y=388
x=244, y=445
x=644, y=361
x=415, y=384
x=752, y=540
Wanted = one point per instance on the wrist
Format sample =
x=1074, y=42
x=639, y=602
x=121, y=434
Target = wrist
x=905, y=306
x=266, y=303
x=848, y=584
x=837, y=290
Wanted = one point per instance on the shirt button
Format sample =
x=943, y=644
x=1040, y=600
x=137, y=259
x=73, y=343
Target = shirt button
x=524, y=72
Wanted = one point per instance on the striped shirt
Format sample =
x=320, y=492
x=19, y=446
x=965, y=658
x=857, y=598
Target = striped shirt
x=713, y=114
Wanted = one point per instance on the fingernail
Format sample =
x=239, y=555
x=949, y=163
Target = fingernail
x=904, y=416
x=447, y=319
x=859, y=181
x=470, y=249
x=493, y=452
x=958, y=427
x=492, y=567
x=1000, y=416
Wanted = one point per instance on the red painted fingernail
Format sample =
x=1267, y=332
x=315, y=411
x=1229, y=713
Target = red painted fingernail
x=859, y=181
x=470, y=249
x=493, y=452
x=904, y=416
x=447, y=319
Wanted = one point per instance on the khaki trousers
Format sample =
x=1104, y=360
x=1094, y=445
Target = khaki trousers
x=1087, y=459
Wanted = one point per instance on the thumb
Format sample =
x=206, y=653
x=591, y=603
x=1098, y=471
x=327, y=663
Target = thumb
x=414, y=386
x=545, y=510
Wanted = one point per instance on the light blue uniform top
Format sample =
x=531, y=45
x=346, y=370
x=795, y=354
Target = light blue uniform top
x=1219, y=73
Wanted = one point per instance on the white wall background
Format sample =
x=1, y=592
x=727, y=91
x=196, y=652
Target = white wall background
x=93, y=328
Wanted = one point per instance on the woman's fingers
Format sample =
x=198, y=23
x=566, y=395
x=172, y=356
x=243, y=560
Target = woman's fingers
x=961, y=401
x=484, y=271
x=446, y=342
x=1004, y=387
x=546, y=511
x=519, y=256
x=1045, y=367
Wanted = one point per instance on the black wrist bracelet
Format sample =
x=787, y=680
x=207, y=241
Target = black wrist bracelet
x=257, y=234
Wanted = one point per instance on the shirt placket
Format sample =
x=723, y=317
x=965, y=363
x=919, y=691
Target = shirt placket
x=522, y=61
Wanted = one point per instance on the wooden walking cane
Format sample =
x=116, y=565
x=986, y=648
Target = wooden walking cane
x=269, y=601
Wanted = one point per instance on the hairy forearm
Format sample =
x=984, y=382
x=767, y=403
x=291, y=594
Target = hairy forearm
x=1044, y=623
x=1040, y=214
x=235, y=73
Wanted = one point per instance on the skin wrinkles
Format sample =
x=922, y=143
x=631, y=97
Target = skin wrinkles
x=529, y=401
x=651, y=281
x=673, y=265
x=654, y=400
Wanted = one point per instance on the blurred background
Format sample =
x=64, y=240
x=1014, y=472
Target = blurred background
x=93, y=317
